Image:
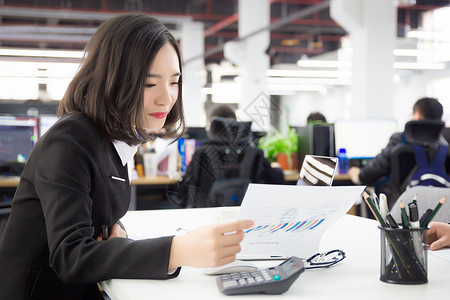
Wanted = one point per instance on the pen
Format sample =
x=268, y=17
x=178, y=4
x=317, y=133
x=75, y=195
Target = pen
x=404, y=215
x=391, y=221
x=413, y=215
x=383, y=206
x=414, y=223
x=425, y=216
x=434, y=212
x=105, y=233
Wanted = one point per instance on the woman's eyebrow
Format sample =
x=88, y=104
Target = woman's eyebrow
x=159, y=76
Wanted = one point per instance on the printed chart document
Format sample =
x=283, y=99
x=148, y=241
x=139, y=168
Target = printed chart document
x=290, y=220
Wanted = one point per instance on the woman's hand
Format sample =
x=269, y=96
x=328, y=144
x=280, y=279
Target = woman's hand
x=439, y=235
x=208, y=246
x=115, y=231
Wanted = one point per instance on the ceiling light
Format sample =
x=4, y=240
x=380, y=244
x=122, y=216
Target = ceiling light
x=443, y=36
x=308, y=73
x=41, y=53
x=419, y=66
x=324, y=63
x=297, y=88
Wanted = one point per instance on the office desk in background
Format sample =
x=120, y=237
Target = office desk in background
x=151, y=190
x=357, y=276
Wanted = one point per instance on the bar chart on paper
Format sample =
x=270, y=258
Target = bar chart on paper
x=290, y=220
x=288, y=227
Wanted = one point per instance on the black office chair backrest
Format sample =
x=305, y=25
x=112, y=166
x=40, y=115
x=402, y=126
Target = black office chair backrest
x=230, y=132
x=4, y=214
x=424, y=133
x=403, y=162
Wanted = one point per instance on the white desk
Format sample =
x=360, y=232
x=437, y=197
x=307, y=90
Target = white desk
x=356, y=277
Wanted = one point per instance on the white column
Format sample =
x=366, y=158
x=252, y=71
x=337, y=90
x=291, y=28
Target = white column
x=255, y=102
x=372, y=26
x=192, y=45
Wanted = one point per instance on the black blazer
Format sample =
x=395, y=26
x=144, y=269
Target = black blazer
x=66, y=193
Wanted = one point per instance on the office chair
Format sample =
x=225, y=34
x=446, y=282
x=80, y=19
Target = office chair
x=4, y=215
x=423, y=133
x=427, y=197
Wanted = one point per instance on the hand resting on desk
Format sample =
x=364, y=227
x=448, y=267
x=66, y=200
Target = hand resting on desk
x=439, y=235
x=208, y=246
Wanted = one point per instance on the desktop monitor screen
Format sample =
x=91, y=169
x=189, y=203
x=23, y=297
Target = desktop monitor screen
x=17, y=136
x=363, y=138
x=45, y=122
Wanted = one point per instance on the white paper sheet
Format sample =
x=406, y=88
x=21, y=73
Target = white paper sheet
x=441, y=253
x=290, y=220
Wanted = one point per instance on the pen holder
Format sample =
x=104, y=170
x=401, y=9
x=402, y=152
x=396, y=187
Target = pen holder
x=404, y=255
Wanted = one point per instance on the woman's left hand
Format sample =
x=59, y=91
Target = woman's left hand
x=115, y=231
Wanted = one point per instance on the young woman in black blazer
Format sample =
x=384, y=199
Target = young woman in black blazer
x=75, y=184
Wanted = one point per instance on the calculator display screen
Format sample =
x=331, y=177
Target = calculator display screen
x=289, y=267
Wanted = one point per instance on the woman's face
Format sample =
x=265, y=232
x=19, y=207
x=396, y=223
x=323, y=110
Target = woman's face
x=161, y=87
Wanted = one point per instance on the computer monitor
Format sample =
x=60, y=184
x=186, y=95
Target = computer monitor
x=197, y=133
x=315, y=139
x=45, y=122
x=446, y=134
x=17, y=137
x=363, y=138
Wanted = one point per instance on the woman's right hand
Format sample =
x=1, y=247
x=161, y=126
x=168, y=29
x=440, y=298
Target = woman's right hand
x=208, y=246
x=439, y=235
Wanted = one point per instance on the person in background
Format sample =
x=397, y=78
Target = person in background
x=272, y=171
x=63, y=234
x=315, y=118
x=203, y=171
x=438, y=235
x=379, y=167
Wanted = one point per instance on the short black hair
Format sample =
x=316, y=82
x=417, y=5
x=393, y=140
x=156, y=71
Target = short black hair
x=222, y=111
x=429, y=108
x=316, y=116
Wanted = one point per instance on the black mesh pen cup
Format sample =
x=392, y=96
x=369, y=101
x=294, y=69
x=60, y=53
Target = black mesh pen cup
x=404, y=255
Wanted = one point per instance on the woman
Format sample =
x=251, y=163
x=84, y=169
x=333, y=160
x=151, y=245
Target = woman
x=75, y=186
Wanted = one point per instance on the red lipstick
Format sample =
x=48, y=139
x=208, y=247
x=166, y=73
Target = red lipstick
x=159, y=115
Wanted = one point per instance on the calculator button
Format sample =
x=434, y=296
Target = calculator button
x=259, y=279
x=242, y=281
x=225, y=277
x=245, y=275
x=235, y=276
x=251, y=280
x=231, y=283
x=255, y=273
x=276, y=277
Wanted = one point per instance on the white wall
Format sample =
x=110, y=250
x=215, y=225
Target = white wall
x=335, y=104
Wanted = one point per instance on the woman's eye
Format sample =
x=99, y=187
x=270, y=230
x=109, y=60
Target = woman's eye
x=174, y=83
x=149, y=85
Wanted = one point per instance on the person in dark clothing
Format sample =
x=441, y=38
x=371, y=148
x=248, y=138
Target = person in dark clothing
x=63, y=234
x=379, y=167
x=202, y=173
x=315, y=118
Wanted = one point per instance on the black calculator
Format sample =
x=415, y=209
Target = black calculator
x=275, y=280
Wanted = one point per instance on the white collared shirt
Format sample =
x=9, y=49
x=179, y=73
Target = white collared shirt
x=126, y=154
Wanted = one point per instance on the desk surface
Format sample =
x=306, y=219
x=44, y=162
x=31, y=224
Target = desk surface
x=13, y=181
x=357, y=276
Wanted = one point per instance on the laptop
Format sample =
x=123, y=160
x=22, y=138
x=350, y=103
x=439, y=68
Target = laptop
x=318, y=170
